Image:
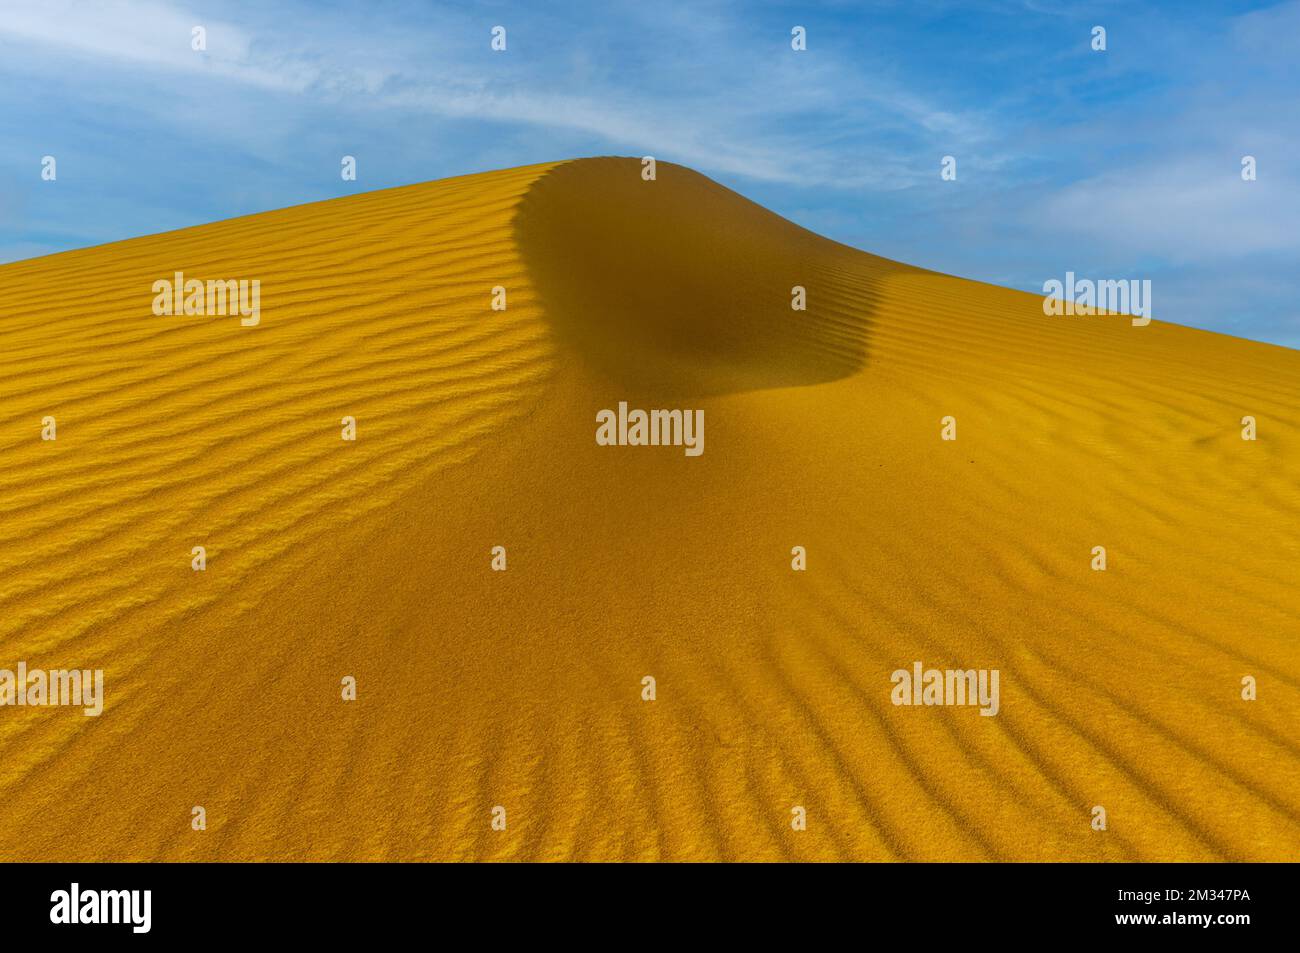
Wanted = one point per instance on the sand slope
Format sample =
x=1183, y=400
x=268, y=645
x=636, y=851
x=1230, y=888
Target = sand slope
x=523, y=689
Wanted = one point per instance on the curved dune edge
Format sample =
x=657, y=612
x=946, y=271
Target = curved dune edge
x=522, y=688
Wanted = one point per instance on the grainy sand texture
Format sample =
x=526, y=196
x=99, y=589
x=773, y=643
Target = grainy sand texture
x=523, y=689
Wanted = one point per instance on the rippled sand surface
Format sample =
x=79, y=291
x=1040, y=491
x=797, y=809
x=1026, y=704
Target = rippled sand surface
x=523, y=689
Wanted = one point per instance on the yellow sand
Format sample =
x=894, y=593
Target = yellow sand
x=475, y=428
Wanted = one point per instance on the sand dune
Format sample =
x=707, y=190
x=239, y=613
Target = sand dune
x=522, y=688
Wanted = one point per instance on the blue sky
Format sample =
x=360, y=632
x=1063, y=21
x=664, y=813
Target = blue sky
x=1117, y=164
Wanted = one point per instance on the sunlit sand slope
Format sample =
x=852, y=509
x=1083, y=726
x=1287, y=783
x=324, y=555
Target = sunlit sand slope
x=522, y=689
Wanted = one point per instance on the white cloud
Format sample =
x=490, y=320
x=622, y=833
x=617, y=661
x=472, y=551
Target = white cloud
x=149, y=34
x=753, y=125
x=1182, y=210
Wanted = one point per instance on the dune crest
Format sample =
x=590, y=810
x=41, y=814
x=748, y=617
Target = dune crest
x=679, y=284
x=524, y=689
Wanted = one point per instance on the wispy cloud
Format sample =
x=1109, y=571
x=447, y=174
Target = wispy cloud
x=754, y=123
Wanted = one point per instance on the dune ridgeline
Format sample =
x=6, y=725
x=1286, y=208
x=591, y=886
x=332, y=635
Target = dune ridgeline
x=567, y=641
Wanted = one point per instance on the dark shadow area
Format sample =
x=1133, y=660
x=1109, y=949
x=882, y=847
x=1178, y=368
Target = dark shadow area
x=681, y=286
